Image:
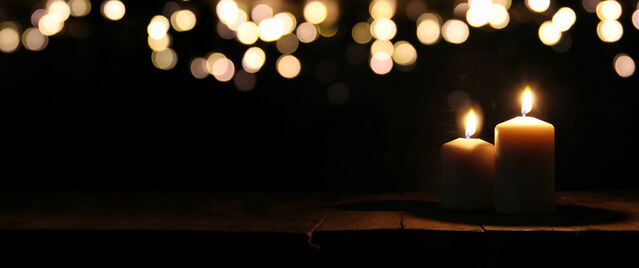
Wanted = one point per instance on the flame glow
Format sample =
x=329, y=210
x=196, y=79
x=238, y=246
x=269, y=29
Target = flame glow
x=526, y=102
x=471, y=123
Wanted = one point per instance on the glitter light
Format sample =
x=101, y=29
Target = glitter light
x=479, y=12
x=624, y=65
x=564, y=18
x=549, y=34
x=158, y=27
x=315, y=12
x=288, y=66
x=271, y=29
x=383, y=29
x=455, y=31
x=113, y=9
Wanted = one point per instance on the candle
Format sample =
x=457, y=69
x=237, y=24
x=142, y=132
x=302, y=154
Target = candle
x=524, y=164
x=468, y=171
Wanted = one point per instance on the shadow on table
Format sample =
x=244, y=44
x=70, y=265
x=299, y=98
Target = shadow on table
x=565, y=215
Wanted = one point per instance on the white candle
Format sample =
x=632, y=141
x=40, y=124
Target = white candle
x=525, y=164
x=468, y=171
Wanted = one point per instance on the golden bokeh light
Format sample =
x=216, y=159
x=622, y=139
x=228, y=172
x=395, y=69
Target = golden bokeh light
x=455, y=31
x=198, y=68
x=159, y=44
x=382, y=46
x=608, y=10
x=158, y=27
x=609, y=31
x=58, y=9
x=227, y=11
x=287, y=44
x=211, y=59
x=9, y=37
x=327, y=31
x=112, y=9
x=624, y=65
x=635, y=19
x=564, y=18
x=270, y=29
x=361, y=33
x=479, y=12
x=428, y=29
x=382, y=9
x=288, y=21
x=288, y=66
x=306, y=32
x=241, y=17
x=183, y=20
x=499, y=17
x=538, y=5
x=315, y=12
x=37, y=15
x=49, y=26
x=381, y=63
x=549, y=34
x=248, y=33
x=33, y=40
x=404, y=53
x=165, y=59
x=261, y=12
x=80, y=8
x=384, y=29
x=253, y=59
x=244, y=81
x=504, y=3
x=224, y=31
x=223, y=70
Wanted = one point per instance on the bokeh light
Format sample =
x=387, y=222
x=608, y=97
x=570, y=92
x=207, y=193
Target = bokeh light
x=381, y=63
x=315, y=12
x=48, y=25
x=564, y=18
x=253, y=59
x=288, y=66
x=9, y=37
x=288, y=21
x=504, y=3
x=287, y=44
x=244, y=81
x=382, y=9
x=327, y=31
x=608, y=10
x=211, y=59
x=239, y=19
x=306, y=32
x=37, y=15
x=384, y=29
x=404, y=53
x=499, y=17
x=58, y=9
x=261, y=12
x=165, y=59
x=455, y=31
x=223, y=70
x=624, y=65
x=428, y=29
x=361, y=33
x=159, y=44
x=80, y=8
x=414, y=8
x=538, y=5
x=158, y=27
x=382, y=46
x=549, y=34
x=635, y=19
x=270, y=29
x=590, y=5
x=33, y=40
x=113, y=10
x=479, y=12
x=227, y=11
x=248, y=33
x=198, y=68
x=183, y=20
x=609, y=31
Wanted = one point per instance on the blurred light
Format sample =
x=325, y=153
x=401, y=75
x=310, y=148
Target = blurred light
x=564, y=43
x=288, y=21
x=383, y=29
x=37, y=15
x=414, y=8
x=609, y=31
x=48, y=25
x=404, y=53
x=158, y=27
x=113, y=9
x=338, y=94
x=198, y=68
x=608, y=10
x=315, y=12
x=271, y=29
x=183, y=20
x=80, y=8
x=170, y=8
x=455, y=31
x=381, y=9
x=211, y=59
x=538, y=5
x=461, y=9
x=326, y=71
x=239, y=19
x=624, y=65
x=165, y=59
x=306, y=32
x=479, y=12
x=223, y=70
x=504, y=3
x=382, y=46
x=287, y=44
x=227, y=11
x=33, y=40
x=288, y=66
x=381, y=63
x=564, y=19
x=327, y=31
x=248, y=33
x=499, y=17
x=635, y=19
x=159, y=44
x=224, y=31
x=261, y=12
x=253, y=59
x=590, y=5
x=332, y=14
x=58, y=9
x=428, y=29
x=549, y=34
x=9, y=37
x=244, y=81
x=361, y=33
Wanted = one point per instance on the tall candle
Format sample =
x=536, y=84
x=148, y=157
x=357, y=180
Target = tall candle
x=524, y=164
x=468, y=171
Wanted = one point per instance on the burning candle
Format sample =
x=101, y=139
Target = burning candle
x=468, y=171
x=525, y=163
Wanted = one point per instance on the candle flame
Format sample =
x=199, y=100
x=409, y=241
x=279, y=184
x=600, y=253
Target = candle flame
x=471, y=123
x=526, y=102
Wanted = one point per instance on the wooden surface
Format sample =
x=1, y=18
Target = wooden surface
x=302, y=213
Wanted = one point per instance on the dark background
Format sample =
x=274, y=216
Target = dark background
x=93, y=112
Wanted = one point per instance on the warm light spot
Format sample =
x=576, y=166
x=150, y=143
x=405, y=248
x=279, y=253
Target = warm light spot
x=590, y=5
x=635, y=19
x=327, y=31
x=287, y=44
x=382, y=9
x=159, y=44
x=624, y=65
x=183, y=20
x=224, y=31
x=227, y=11
x=428, y=29
x=288, y=21
x=315, y=12
x=381, y=63
x=609, y=31
x=48, y=25
x=223, y=70
x=211, y=59
x=33, y=40
x=239, y=19
x=288, y=66
x=479, y=12
x=526, y=102
x=414, y=8
x=471, y=123
x=499, y=17
x=549, y=34
x=158, y=27
x=383, y=29
x=361, y=33
x=564, y=19
x=404, y=53
x=198, y=68
x=608, y=10
x=37, y=15
x=261, y=12
x=9, y=37
x=165, y=59
x=271, y=29
x=306, y=32
x=455, y=31
x=382, y=46
x=248, y=33
x=80, y=8
x=113, y=10
x=253, y=59
x=504, y=3
x=538, y=5
x=244, y=81
x=58, y=9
